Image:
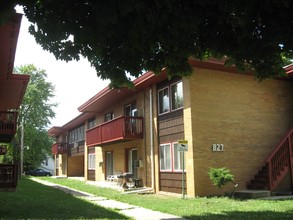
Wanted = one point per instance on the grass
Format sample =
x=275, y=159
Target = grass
x=33, y=200
x=194, y=208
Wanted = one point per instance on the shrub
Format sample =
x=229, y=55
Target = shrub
x=221, y=176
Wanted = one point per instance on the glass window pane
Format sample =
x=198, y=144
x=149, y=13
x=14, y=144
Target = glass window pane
x=168, y=157
x=177, y=96
x=91, y=161
x=162, y=156
x=164, y=103
x=165, y=157
x=177, y=159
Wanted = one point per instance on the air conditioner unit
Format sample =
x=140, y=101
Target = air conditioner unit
x=75, y=144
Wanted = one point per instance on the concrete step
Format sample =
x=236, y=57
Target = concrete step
x=251, y=194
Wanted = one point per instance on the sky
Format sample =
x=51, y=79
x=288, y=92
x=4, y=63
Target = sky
x=74, y=82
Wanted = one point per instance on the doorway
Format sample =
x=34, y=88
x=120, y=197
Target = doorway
x=132, y=162
x=109, y=164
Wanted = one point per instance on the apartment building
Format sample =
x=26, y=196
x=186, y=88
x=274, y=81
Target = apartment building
x=227, y=118
x=12, y=89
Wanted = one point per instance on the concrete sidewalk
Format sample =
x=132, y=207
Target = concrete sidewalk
x=123, y=208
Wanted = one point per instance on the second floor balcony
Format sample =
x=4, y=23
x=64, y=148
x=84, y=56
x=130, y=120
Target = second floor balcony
x=59, y=148
x=7, y=126
x=123, y=128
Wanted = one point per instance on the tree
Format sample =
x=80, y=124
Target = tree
x=34, y=115
x=120, y=37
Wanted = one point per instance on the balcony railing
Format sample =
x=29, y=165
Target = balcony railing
x=8, y=177
x=59, y=148
x=280, y=161
x=121, y=128
x=7, y=126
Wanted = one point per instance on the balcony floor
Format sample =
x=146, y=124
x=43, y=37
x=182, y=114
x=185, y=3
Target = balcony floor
x=6, y=138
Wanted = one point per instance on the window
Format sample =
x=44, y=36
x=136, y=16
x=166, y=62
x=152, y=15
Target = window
x=164, y=104
x=91, y=161
x=109, y=163
x=177, y=96
x=109, y=116
x=171, y=158
x=165, y=157
x=127, y=110
x=178, y=157
x=131, y=110
x=76, y=135
x=91, y=123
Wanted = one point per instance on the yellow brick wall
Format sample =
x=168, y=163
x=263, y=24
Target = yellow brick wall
x=99, y=164
x=189, y=162
x=248, y=117
x=62, y=166
x=119, y=149
x=119, y=155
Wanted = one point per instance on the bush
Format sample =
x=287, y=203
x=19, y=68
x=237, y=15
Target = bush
x=221, y=176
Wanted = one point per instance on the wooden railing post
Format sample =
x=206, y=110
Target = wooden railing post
x=291, y=159
x=124, y=118
x=270, y=175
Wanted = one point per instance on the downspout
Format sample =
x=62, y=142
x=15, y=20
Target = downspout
x=144, y=135
x=21, y=148
x=152, y=140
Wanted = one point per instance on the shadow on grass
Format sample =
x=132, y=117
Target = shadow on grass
x=237, y=215
x=33, y=200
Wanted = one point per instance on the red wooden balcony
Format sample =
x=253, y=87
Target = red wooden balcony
x=59, y=148
x=7, y=126
x=8, y=177
x=122, y=128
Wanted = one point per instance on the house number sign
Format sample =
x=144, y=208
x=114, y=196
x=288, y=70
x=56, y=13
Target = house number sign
x=218, y=147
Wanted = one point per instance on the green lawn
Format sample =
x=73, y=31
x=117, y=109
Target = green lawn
x=194, y=208
x=33, y=200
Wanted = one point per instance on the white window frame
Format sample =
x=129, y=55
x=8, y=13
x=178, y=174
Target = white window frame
x=172, y=155
x=159, y=105
x=165, y=158
x=171, y=96
x=91, y=161
x=179, y=155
